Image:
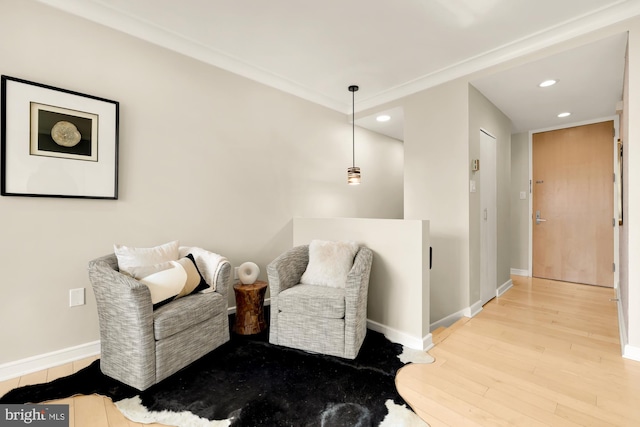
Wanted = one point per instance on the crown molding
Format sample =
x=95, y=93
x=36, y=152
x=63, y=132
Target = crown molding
x=98, y=12
x=580, y=25
x=94, y=10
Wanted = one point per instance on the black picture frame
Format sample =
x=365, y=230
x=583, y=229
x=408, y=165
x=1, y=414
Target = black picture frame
x=57, y=142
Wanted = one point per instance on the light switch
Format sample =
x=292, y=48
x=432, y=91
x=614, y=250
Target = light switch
x=472, y=186
x=523, y=195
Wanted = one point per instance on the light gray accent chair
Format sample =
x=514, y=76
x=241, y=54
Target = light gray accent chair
x=140, y=346
x=318, y=319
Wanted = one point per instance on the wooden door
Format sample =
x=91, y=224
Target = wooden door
x=573, y=195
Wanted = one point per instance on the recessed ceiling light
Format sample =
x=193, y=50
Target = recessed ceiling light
x=548, y=83
x=383, y=118
x=566, y=114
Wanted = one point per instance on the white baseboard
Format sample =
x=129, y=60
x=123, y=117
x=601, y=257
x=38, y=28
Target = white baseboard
x=48, y=360
x=504, y=288
x=473, y=311
x=454, y=317
x=628, y=351
x=401, y=337
x=445, y=322
x=631, y=352
x=518, y=272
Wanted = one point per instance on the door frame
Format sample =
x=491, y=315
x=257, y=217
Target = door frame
x=489, y=280
x=616, y=196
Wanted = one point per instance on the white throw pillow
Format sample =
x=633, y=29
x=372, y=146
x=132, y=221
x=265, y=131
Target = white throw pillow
x=329, y=263
x=130, y=258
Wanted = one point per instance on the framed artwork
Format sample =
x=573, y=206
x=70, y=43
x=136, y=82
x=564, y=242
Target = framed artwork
x=57, y=143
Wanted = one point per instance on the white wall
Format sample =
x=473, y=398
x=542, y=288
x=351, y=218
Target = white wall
x=623, y=289
x=206, y=157
x=632, y=216
x=398, y=303
x=436, y=187
x=484, y=115
x=519, y=207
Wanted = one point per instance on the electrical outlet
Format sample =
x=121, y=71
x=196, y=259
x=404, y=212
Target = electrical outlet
x=76, y=297
x=235, y=273
x=523, y=195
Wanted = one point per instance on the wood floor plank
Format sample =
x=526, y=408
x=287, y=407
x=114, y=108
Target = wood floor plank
x=83, y=363
x=8, y=385
x=90, y=411
x=33, y=378
x=443, y=406
x=581, y=418
x=114, y=416
x=59, y=372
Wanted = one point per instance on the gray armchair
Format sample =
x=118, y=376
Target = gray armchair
x=315, y=318
x=141, y=346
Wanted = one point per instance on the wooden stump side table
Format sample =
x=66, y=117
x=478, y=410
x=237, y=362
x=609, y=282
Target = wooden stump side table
x=250, y=308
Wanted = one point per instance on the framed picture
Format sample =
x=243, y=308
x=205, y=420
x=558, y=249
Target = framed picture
x=57, y=143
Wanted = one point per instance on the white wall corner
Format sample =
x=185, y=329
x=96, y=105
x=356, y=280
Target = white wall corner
x=504, y=288
x=48, y=360
x=445, y=322
x=401, y=337
x=427, y=342
x=628, y=351
x=473, y=311
x=519, y=272
x=631, y=352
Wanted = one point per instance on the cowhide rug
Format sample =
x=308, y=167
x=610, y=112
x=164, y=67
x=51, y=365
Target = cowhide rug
x=249, y=382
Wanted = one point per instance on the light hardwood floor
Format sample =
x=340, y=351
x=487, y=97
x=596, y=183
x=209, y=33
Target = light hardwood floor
x=84, y=411
x=545, y=353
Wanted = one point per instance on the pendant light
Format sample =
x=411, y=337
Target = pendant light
x=353, y=173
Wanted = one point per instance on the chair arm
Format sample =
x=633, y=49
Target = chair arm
x=285, y=271
x=125, y=314
x=223, y=280
x=356, y=294
x=215, y=268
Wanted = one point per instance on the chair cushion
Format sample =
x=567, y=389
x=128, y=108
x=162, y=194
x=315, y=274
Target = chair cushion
x=313, y=300
x=329, y=263
x=186, y=312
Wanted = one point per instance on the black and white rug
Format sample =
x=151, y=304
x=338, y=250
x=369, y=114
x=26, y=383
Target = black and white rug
x=249, y=382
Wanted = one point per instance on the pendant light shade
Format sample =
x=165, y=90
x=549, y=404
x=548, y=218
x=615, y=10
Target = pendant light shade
x=353, y=173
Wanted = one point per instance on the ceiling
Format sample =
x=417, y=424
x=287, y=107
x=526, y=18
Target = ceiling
x=589, y=84
x=315, y=50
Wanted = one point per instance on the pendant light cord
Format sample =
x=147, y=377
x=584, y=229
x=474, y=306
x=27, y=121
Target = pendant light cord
x=353, y=127
x=353, y=89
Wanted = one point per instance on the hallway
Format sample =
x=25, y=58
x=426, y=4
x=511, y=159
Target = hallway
x=546, y=353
